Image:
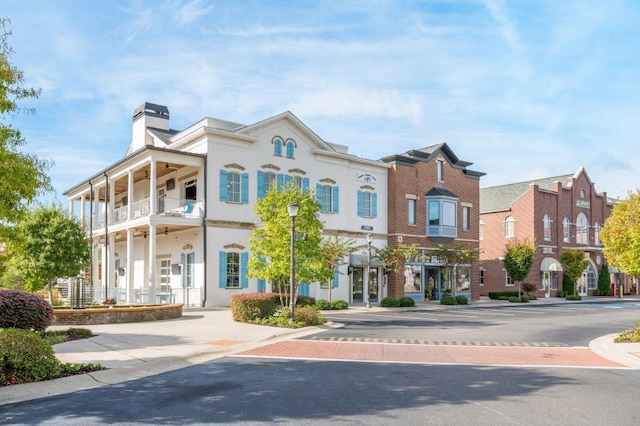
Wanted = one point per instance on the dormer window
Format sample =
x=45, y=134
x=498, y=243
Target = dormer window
x=442, y=214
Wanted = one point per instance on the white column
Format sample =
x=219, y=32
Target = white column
x=130, y=195
x=152, y=263
x=83, y=213
x=153, y=193
x=129, y=265
x=109, y=269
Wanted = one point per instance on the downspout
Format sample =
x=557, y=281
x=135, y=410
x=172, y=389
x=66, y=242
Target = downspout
x=106, y=267
x=91, y=229
x=204, y=236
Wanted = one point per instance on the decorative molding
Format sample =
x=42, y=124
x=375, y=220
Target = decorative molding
x=234, y=166
x=297, y=171
x=271, y=166
x=328, y=180
x=233, y=246
x=367, y=187
x=187, y=247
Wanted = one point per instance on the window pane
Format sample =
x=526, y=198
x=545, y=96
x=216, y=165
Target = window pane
x=411, y=212
x=366, y=204
x=233, y=187
x=434, y=213
x=327, y=198
x=466, y=224
x=233, y=270
x=448, y=213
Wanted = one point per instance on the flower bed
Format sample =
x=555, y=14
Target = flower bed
x=115, y=314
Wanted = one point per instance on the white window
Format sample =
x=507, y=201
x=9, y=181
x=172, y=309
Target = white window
x=582, y=229
x=466, y=218
x=165, y=275
x=411, y=211
x=546, y=227
x=190, y=189
x=442, y=216
x=233, y=270
x=509, y=227
x=481, y=230
x=566, y=234
x=367, y=204
x=440, y=165
x=509, y=282
x=326, y=197
x=596, y=234
x=233, y=187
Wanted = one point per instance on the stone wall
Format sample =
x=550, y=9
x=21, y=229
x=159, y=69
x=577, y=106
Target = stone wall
x=115, y=314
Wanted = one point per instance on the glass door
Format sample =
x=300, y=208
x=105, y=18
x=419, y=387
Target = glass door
x=373, y=285
x=431, y=278
x=356, y=290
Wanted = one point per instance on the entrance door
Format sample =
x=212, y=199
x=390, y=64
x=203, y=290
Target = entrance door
x=373, y=285
x=546, y=283
x=431, y=278
x=356, y=288
x=582, y=284
x=161, y=195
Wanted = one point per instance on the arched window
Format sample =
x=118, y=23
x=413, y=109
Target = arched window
x=546, y=227
x=566, y=235
x=291, y=148
x=596, y=234
x=582, y=229
x=509, y=227
x=277, y=147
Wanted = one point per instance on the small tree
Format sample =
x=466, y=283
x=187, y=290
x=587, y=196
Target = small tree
x=573, y=264
x=621, y=235
x=334, y=250
x=22, y=176
x=394, y=257
x=518, y=260
x=270, y=244
x=604, y=281
x=48, y=245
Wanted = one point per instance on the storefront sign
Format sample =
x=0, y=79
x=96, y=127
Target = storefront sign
x=583, y=204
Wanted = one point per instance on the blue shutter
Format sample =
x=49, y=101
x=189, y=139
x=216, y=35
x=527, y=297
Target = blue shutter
x=244, y=188
x=183, y=269
x=303, y=289
x=359, y=203
x=277, y=147
x=374, y=205
x=261, y=191
x=223, y=269
x=305, y=185
x=262, y=285
x=336, y=278
x=280, y=178
x=319, y=193
x=223, y=185
x=336, y=199
x=191, y=263
x=244, y=261
x=287, y=179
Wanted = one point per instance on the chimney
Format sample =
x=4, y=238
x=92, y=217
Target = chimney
x=145, y=116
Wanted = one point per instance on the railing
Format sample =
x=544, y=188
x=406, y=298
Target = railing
x=179, y=207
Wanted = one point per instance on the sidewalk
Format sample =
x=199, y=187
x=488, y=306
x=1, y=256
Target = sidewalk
x=134, y=350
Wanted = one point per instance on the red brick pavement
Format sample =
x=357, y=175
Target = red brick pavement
x=478, y=355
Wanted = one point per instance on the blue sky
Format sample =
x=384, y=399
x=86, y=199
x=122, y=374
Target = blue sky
x=522, y=89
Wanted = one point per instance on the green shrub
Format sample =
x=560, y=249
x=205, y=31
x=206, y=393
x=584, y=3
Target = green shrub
x=26, y=357
x=390, y=302
x=502, y=295
x=515, y=299
x=406, y=301
x=28, y=311
x=532, y=297
x=323, y=305
x=448, y=300
x=248, y=307
x=630, y=336
x=562, y=293
x=573, y=297
x=308, y=315
x=462, y=300
x=339, y=304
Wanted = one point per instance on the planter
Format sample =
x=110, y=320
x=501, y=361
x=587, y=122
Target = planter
x=115, y=314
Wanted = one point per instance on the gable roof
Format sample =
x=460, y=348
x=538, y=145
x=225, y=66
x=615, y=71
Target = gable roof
x=500, y=198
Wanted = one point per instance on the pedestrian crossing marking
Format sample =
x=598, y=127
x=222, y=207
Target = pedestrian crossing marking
x=439, y=342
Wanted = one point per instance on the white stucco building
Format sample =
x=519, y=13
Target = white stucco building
x=170, y=222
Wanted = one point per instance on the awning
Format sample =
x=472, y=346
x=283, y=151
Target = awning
x=550, y=264
x=361, y=260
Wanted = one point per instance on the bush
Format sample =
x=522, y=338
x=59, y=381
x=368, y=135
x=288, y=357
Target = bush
x=462, y=300
x=390, y=302
x=19, y=309
x=573, y=297
x=339, y=304
x=248, y=307
x=323, y=305
x=406, y=301
x=448, y=300
x=502, y=295
x=26, y=357
x=562, y=293
x=515, y=299
x=528, y=288
x=532, y=297
x=308, y=315
x=630, y=336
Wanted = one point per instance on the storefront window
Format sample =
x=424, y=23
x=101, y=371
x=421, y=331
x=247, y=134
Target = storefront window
x=463, y=279
x=412, y=279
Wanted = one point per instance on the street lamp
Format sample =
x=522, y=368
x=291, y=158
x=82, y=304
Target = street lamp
x=369, y=241
x=292, y=209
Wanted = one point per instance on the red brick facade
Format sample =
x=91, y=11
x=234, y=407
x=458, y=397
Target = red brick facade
x=572, y=197
x=410, y=177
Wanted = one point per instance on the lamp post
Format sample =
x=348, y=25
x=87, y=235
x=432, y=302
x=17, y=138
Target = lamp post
x=369, y=241
x=292, y=209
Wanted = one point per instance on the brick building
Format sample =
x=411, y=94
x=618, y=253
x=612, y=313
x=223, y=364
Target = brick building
x=433, y=202
x=556, y=213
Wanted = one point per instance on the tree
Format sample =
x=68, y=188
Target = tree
x=22, y=176
x=394, y=257
x=573, y=264
x=604, y=281
x=621, y=235
x=334, y=250
x=518, y=260
x=270, y=244
x=48, y=245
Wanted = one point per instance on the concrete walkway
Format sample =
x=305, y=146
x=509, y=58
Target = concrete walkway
x=135, y=350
